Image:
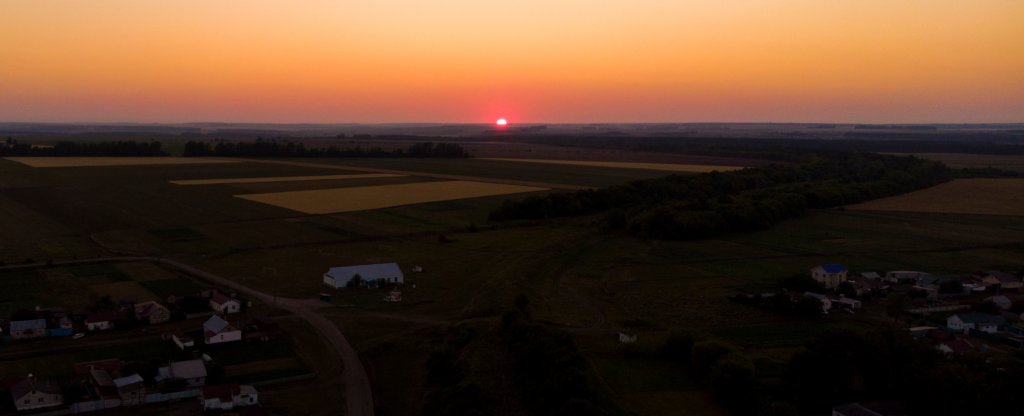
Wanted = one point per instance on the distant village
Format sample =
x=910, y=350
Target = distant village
x=113, y=382
x=968, y=313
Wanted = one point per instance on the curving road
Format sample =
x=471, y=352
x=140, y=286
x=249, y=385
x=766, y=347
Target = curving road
x=358, y=396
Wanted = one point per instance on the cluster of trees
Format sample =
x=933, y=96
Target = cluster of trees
x=795, y=149
x=450, y=389
x=284, y=148
x=887, y=364
x=11, y=147
x=701, y=206
x=839, y=367
x=551, y=373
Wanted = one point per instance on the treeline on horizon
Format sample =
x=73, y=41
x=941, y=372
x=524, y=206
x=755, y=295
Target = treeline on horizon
x=788, y=148
x=681, y=207
x=284, y=148
x=11, y=147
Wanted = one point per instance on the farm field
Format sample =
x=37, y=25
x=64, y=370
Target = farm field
x=961, y=196
x=72, y=161
x=326, y=201
x=964, y=160
x=587, y=283
x=281, y=179
x=668, y=167
x=481, y=170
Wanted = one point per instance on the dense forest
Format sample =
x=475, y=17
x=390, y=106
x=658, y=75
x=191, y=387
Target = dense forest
x=796, y=149
x=284, y=148
x=681, y=207
x=842, y=366
x=11, y=147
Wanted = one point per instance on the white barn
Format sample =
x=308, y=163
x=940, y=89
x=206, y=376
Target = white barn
x=372, y=275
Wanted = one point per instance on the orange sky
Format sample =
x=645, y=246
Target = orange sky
x=527, y=60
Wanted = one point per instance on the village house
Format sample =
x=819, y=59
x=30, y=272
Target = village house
x=152, y=312
x=30, y=394
x=101, y=321
x=223, y=304
x=369, y=275
x=830, y=275
x=227, y=397
x=27, y=329
x=60, y=325
x=904, y=276
x=102, y=381
x=1001, y=301
x=1005, y=281
x=847, y=303
x=826, y=303
x=216, y=331
x=983, y=322
x=130, y=389
x=192, y=371
x=956, y=346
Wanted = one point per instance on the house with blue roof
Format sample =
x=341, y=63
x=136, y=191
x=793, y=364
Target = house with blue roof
x=369, y=275
x=830, y=274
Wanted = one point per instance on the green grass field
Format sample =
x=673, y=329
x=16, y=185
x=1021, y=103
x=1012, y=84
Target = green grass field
x=588, y=283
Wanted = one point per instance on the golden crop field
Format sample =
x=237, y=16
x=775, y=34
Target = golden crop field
x=670, y=167
x=326, y=201
x=225, y=181
x=961, y=196
x=90, y=161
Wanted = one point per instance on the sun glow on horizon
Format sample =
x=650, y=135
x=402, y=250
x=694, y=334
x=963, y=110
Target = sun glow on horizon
x=501, y=122
x=571, y=61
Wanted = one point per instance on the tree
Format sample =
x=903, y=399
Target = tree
x=809, y=306
x=951, y=287
x=706, y=354
x=896, y=305
x=734, y=383
x=355, y=281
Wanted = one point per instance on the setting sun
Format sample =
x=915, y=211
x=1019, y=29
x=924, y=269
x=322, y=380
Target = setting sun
x=501, y=122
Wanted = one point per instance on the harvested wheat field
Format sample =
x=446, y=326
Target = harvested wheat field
x=961, y=196
x=326, y=201
x=225, y=181
x=89, y=161
x=670, y=167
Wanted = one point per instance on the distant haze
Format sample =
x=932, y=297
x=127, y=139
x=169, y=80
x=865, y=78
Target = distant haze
x=882, y=61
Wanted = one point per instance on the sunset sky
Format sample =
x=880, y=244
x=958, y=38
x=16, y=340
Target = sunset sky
x=527, y=60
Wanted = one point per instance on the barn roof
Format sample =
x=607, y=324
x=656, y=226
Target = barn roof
x=27, y=325
x=366, y=271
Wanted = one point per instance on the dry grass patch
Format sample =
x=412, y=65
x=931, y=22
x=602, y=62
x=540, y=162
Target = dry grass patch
x=961, y=196
x=670, y=167
x=224, y=181
x=125, y=291
x=327, y=201
x=88, y=161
